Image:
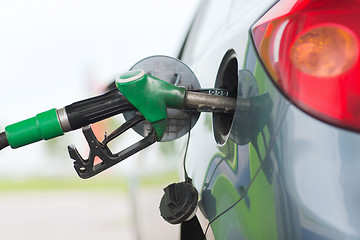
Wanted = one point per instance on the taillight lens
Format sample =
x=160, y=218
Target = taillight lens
x=311, y=51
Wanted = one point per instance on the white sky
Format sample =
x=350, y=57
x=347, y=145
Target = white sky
x=53, y=53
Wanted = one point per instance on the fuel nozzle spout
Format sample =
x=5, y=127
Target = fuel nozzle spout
x=211, y=103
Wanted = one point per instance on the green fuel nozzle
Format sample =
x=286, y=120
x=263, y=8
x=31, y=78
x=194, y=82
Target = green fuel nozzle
x=151, y=97
x=135, y=91
x=143, y=95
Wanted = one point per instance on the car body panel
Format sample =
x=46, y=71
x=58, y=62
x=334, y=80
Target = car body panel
x=206, y=72
x=291, y=176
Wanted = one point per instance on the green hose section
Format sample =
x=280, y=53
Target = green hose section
x=44, y=125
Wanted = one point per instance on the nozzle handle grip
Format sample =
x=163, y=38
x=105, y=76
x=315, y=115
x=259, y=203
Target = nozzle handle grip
x=98, y=108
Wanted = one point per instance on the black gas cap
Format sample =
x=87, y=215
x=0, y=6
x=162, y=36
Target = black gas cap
x=179, y=202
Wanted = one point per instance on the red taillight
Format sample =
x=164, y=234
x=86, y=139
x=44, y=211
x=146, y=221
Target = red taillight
x=311, y=50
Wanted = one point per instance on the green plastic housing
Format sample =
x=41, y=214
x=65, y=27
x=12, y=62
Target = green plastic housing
x=151, y=97
x=43, y=126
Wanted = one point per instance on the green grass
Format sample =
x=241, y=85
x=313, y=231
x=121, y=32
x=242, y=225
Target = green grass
x=95, y=183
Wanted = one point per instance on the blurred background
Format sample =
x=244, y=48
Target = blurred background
x=53, y=53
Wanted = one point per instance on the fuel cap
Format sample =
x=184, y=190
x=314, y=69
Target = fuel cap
x=179, y=202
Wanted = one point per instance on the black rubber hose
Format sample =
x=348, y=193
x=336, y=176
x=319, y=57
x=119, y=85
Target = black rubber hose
x=3, y=140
